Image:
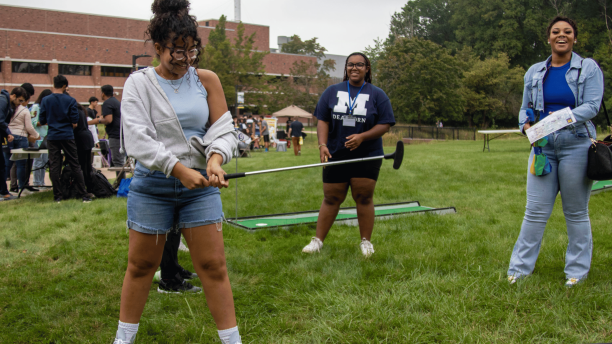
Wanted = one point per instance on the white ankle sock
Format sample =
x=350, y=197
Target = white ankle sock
x=229, y=334
x=126, y=332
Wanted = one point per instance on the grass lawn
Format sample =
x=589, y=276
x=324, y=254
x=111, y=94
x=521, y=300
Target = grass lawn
x=433, y=279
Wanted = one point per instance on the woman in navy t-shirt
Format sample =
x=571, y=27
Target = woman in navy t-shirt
x=353, y=116
x=564, y=80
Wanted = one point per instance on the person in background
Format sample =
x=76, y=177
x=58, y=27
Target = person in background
x=20, y=125
x=295, y=132
x=60, y=112
x=564, y=80
x=13, y=171
x=84, y=143
x=31, y=92
x=265, y=133
x=6, y=112
x=255, y=137
x=40, y=162
x=111, y=118
x=92, y=113
x=287, y=127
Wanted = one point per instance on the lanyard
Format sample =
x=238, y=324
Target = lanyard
x=349, y=92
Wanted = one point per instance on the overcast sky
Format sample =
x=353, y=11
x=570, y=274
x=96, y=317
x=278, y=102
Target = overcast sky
x=342, y=26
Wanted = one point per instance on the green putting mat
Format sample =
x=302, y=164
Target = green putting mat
x=601, y=185
x=345, y=216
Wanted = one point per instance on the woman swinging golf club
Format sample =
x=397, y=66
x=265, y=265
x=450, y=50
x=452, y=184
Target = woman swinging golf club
x=167, y=111
x=353, y=116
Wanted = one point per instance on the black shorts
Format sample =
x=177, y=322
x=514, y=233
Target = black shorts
x=344, y=173
x=266, y=138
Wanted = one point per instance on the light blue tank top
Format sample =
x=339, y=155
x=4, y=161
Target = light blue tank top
x=190, y=103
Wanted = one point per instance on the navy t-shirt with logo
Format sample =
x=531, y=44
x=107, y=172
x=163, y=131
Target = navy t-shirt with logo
x=372, y=107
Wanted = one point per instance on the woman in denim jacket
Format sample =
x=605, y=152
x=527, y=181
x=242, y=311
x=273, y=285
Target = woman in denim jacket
x=564, y=80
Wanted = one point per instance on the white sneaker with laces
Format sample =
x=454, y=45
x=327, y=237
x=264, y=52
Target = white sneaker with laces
x=366, y=247
x=314, y=246
x=512, y=279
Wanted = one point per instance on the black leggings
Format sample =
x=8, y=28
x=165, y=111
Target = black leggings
x=84, y=157
x=169, y=263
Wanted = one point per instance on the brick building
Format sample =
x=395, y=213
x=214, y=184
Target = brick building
x=93, y=50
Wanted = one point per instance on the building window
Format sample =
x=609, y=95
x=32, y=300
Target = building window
x=67, y=69
x=207, y=24
x=30, y=67
x=0, y=66
x=116, y=71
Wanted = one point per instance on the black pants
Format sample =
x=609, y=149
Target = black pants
x=169, y=263
x=3, y=188
x=85, y=162
x=55, y=148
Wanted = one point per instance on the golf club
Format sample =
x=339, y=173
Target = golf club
x=397, y=157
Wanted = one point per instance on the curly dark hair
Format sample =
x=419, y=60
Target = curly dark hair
x=171, y=21
x=565, y=19
x=368, y=76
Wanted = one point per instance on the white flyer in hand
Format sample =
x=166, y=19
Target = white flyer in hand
x=553, y=122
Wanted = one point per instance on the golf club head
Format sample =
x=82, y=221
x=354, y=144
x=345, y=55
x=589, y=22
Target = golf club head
x=398, y=155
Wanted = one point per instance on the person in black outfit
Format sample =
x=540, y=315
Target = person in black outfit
x=171, y=270
x=84, y=143
x=111, y=117
x=6, y=112
x=92, y=113
x=60, y=112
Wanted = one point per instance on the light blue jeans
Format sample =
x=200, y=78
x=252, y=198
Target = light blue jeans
x=567, y=152
x=39, y=174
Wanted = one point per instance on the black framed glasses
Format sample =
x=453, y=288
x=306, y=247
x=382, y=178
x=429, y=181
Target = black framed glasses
x=358, y=65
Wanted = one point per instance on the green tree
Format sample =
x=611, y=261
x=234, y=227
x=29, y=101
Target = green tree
x=306, y=80
x=492, y=91
x=309, y=47
x=237, y=64
x=422, y=80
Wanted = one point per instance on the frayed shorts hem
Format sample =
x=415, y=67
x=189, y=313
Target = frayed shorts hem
x=181, y=225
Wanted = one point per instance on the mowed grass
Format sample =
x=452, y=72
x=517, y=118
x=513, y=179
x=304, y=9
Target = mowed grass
x=433, y=279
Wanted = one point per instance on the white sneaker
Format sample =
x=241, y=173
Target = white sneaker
x=512, y=279
x=366, y=247
x=572, y=282
x=314, y=246
x=182, y=247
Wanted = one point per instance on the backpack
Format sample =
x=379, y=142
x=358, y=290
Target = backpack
x=67, y=182
x=100, y=186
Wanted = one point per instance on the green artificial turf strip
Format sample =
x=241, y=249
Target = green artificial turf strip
x=433, y=279
x=601, y=184
x=285, y=220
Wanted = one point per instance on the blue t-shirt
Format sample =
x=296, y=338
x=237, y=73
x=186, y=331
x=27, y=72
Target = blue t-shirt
x=557, y=94
x=59, y=111
x=372, y=107
x=296, y=128
x=190, y=103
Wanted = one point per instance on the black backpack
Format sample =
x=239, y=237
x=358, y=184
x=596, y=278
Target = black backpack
x=68, y=185
x=100, y=186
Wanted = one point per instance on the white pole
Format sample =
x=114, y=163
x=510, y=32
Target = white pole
x=237, y=10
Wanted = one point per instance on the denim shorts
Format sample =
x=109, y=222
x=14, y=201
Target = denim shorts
x=157, y=204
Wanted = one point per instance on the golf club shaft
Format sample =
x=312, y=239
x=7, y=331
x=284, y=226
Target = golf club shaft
x=244, y=174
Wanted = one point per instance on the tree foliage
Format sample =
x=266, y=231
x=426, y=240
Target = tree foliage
x=237, y=64
x=489, y=44
x=422, y=80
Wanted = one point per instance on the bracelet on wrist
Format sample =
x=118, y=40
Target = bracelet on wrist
x=322, y=145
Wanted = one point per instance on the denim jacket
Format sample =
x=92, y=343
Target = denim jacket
x=591, y=86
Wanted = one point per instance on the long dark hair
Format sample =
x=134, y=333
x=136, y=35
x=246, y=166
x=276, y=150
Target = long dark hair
x=368, y=76
x=42, y=94
x=171, y=21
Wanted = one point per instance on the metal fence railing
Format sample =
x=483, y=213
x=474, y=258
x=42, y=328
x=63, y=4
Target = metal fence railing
x=433, y=133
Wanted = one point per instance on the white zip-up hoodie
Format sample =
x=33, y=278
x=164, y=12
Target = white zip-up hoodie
x=152, y=133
